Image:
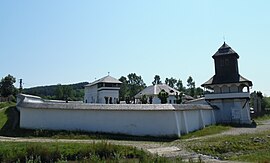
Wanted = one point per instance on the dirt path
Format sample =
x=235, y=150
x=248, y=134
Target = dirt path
x=171, y=149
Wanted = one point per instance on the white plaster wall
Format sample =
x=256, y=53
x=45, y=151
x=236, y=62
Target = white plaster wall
x=229, y=107
x=154, y=123
x=154, y=120
x=90, y=94
x=126, y=122
x=107, y=93
x=193, y=120
x=172, y=98
x=156, y=100
x=208, y=117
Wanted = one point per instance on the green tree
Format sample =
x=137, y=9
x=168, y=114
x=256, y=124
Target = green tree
x=179, y=97
x=171, y=82
x=156, y=80
x=144, y=99
x=135, y=84
x=163, y=96
x=64, y=92
x=167, y=81
x=191, y=86
x=59, y=92
x=179, y=86
x=199, y=91
x=123, y=93
x=7, y=86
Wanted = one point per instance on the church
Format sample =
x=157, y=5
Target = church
x=227, y=91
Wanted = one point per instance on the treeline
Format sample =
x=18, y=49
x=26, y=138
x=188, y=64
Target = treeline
x=71, y=92
x=133, y=84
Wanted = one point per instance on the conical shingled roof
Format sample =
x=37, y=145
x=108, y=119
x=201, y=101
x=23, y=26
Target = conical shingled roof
x=225, y=50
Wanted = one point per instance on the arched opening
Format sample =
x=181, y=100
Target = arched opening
x=244, y=88
x=225, y=89
x=234, y=89
x=216, y=89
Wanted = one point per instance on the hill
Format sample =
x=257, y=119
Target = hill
x=50, y=92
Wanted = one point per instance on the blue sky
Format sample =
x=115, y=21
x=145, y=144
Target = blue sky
x=51, y=42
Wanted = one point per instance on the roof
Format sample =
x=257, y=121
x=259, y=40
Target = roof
x=240, y=80
x=225, y=50
x=106, y=79
x=155, y=89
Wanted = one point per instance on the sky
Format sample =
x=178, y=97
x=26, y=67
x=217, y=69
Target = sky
x=61, y=42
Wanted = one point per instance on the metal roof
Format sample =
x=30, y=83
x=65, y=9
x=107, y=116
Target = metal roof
x=106, y=79
x=155, y=89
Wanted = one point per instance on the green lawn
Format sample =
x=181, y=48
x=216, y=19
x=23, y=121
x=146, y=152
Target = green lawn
x=62, y=152
x=246, y=147
x=262, y=118
x=209, y=130
x=6, y=104
x=3, y=116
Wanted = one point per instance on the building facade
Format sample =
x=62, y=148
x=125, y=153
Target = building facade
x=103, y=91
x=228, y=91
x=151, y=92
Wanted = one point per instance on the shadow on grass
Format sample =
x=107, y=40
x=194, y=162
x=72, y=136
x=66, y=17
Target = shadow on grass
x=11, y=128
x=238, y=125
x=12, y=122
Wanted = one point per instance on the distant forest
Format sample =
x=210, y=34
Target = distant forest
x=74, y=92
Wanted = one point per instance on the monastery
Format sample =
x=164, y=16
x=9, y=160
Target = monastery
x=227, y=97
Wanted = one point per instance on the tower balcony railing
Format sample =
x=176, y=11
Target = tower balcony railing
x=213, y=96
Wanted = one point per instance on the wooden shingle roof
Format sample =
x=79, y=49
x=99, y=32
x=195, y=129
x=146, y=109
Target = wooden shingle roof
x=240, y=80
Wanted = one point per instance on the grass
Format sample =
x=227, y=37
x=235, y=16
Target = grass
x=59, y=152
x=262, y=118
x=246, y=147
x=3, y=116
x=6, y=104
x=209, y=130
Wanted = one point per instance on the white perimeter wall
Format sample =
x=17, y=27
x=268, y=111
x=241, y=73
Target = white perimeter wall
x=154, y=120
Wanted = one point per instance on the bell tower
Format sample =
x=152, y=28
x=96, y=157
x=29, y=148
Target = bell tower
x=226, y=65
x=228, y=91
